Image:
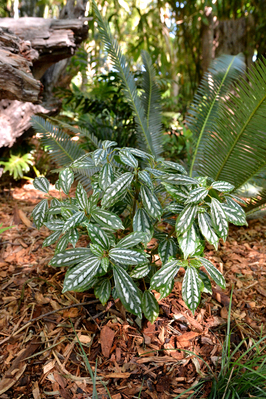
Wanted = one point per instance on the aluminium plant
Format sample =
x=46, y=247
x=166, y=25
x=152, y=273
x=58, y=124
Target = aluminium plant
x=135, y=196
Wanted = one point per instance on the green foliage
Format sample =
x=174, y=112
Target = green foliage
x=4, y=229
x=17, y=165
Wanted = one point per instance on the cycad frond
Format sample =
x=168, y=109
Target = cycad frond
x=256, y=203
x=129, y=85
x=203, y=113
x=151, y=102
x=235, y=150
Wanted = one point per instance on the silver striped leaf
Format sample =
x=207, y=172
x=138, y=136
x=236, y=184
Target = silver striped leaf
x=155, y=172
x=62, y=244
x=140, y=271
x=214, y=273
x=207, y=230
x=81, y=274
x=96, y=250
x=223, y=186
x=175, y=166
x=105, y=263
x=73, y=236
x=107, y=219
x=41, y=183
x=55, y=225
x=151, y=202
x=234, y=216
x=57, y=184
x=206, y=281
x=233, y=196
x=82, y=197
x=166, y=272
x=51, y=239
x=83, y=162
x=106, y=144
x=127, y=291
x=106, y=177
x=166, y=289
x=219, y=219
x=145, y=178
x=140, y=153
x=143, y=223
x=174, y=208
x=127, y=256
x=70, y=257
x=127, y=158
x=167, y=248
x=56, y=209
x=39, y=213
x=132, y=240
x=174, y=179
x=74, y=221
x=186, y=219
x=102, y=291
x=99, y=156
x=191, y=289
x=66, y=213
x=66, y=179
x=93, y=200
x=150, y=306
x=180, y=193
x=117, y=190
x=196, y=195
x=98, y=236
x=189, y=242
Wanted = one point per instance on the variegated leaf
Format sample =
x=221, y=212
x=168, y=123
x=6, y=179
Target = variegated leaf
x=102, y=291
x=93, y=200
x=186, y=219
x=82, y=197
x=207, y=230
x=39, y=213
x=206, y=281
x=83, y=162
x=167, y=272
x=174, y=179
x=66, y=179
x=174, y=166
x=127, y=256
x=223, y=186
x=57, y=184
x=214, y=273
x=99, y=156
x=96, y=250
x=145, y=178
x=189, y=242
x=108, y=219
x=106, y=144
x=233, y=216
x=190, y=289
x=74, y=221
x=105, y=263
x=42, y=184
x=117, y=190
x=155, y=172
x=98, y=236
x=196, y=195
x=70, y=257
x=151, y=202
x=106, y=177
x=167, y=248
x=166, y=289
x=219, y=219
x=66, y=213
x=73, y=236
x=55, y=225
x=132, y=240
x=127, y=291
x=174, y=208
x=51, y=239
x=127, y=158
x=140, y=271
x=150, y=306
x=143, y=223
x=180, y=194
x=62, y=244
x=233, y=196
x=53, y=210
x=140, y=153
x=79, y=275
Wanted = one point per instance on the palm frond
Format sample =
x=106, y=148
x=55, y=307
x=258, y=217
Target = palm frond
x=151, y=103
x=256, y=203
x=235, y=150
x=129, y=85
x=215, y=85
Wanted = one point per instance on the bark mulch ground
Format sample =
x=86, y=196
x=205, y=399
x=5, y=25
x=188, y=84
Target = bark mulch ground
x=40, y=356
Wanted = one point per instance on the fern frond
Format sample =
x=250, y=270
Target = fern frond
x=129, y=85
x=203, y=113
x=151, y=103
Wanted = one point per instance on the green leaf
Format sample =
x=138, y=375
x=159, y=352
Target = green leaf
x=74, y=221
x=93, y=200
x=55, y=225
x=166, y=289
x=127, y=291
x=96, y=250
x=143, y=223
x=196, y=195
x=150, y=306
x=165, y=273
x=66, y=213
x=214, y=273
x=219, y=219
x=82, y=197
x=174, y=166
x=127, y=158
x=233, y=216
x=39, y=213
x=70, y=257
x=140, y=153
x=190, y=289
x=186, y=219
x=42, y=184
x=223, y=186
x=132, y=240
x=127, y=256
x=189, y=242
x=51, y=239
x=62, y=244
x=106, y=177
x=73, y=236
x=106, y=144
x=81, y=274
x=206, y=281
x=144, y=177
x=98, y=236
x=66, y=178
x=117, y=190
x=105, y=263
x=140, y=271
x=174, y=208
x=107, y=219
x=102, y=291
x=150, y=202
x=167, y=248
x=180, y=194
x=174, y=179
x=206, y=227
x=99, y=156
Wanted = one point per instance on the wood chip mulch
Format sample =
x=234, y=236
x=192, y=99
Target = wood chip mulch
x=40, y=356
